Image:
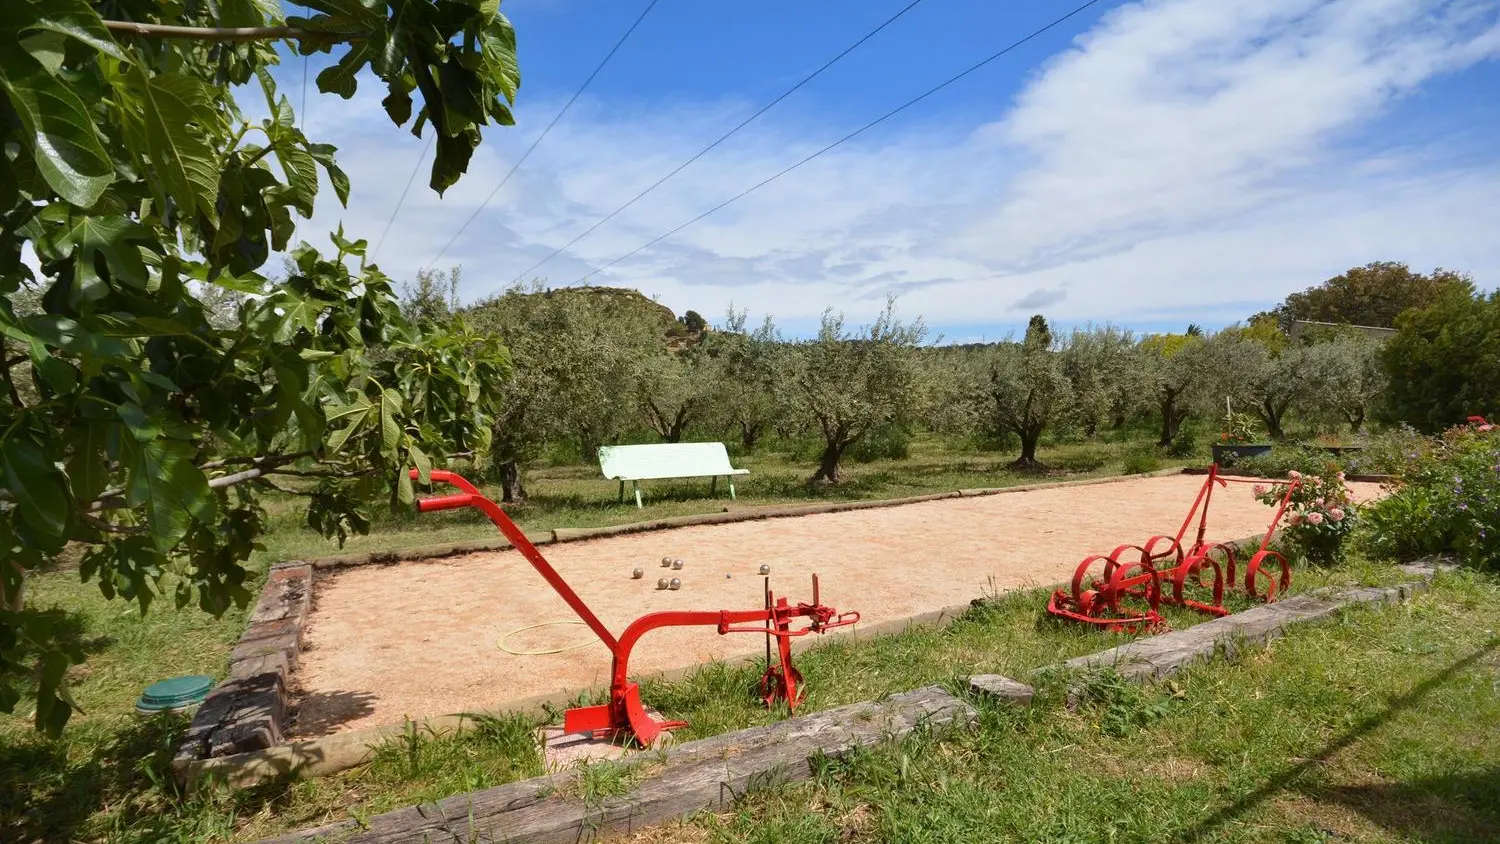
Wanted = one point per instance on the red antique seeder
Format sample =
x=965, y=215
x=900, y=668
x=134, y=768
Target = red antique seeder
x=1102, y=582
x=624, y=713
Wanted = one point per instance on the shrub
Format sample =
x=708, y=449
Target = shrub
x=1449, y=501
x=1284, y=460
x=1444, y=362
x=1321, y=515
x=1085, y=460
x=1139, y=461
x=888, y=442
x=1388, y=452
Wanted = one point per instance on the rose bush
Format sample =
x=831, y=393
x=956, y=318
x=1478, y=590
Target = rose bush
x=1320, y=515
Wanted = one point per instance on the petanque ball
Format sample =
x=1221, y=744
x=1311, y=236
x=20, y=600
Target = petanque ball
x=676, y=583
x=677, y=565
x=662, y=583
x=765, y=569
x=666, y=561
x=637, y=574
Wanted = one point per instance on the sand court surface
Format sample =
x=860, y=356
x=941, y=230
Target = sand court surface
x=420, y=639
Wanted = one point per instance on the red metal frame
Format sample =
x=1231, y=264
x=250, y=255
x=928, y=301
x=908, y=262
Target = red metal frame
x=1136, y=572
x=624, y=713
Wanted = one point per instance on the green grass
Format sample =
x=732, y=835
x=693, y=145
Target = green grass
x=1377, y=727
x=106, y=779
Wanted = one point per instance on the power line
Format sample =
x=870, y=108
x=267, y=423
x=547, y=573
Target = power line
x=527, y=154
x=857, y=132
x=402, y=199
x=722, y=138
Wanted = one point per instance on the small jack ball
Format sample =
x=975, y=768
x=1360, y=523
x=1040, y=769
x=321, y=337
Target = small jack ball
x=677, y=565
x=637, y=574
x=765, y=569
x=662, y=583
x=676, y=583
x=666, y=561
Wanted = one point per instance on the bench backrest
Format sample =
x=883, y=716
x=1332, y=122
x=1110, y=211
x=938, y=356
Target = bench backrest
x=663, y=460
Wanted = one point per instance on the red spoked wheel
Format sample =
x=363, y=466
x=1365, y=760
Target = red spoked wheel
x=1268, y=576
x=1198, y=583
x=1165, y=552
x=1137, y=579
x=1100, y=581
x=1090, y=576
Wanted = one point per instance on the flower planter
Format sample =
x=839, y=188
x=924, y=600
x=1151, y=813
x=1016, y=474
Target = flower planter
x=1227, y=454
x=1338, y=450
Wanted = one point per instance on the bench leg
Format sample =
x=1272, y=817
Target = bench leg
x=731, y=487
x=622, y=492
x=713, y=486
x=638, y=504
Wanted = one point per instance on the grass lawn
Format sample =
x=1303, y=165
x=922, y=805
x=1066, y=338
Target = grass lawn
x=107, y=780
x=1379, y=726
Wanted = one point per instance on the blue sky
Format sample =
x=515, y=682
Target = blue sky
x=1148, y=163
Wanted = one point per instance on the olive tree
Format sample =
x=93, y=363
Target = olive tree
x=1243, y=370
x=1104, y=369
x=1173, y=369
x=843, y=384
x=674, y=388
x=1344, y=377
x=132, y=178
x=1025, y=389
x=575, y=365
x=748, y=365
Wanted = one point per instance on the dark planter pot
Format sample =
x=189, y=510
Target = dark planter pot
x=1226, y=455
x=1338, y=450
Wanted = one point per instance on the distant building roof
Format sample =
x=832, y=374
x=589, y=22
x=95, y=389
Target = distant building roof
x=1373, y=331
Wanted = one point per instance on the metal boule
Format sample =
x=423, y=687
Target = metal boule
x=676, y=583
x=765, y=569
x=637, y=574
x=677, y=565
x=662, y=583
x=666, y=561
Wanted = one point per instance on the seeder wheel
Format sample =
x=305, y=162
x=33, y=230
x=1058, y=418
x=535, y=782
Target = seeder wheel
x=1147, y=587
x=1091, y=576
x=1198, y=582
x=1268, y=576
x=1165, y=552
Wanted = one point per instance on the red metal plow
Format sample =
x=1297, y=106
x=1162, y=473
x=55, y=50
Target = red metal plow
x=1124, y=589
x=624, y=714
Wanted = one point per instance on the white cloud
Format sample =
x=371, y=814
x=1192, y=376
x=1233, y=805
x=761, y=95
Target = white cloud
x=1183, y=158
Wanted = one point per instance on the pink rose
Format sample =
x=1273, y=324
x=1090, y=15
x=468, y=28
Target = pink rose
x=1337, y=514
x=1318, y=501
x=1294, y=519
x=1259, y=490
x=1294, y=475
x=1315, y=518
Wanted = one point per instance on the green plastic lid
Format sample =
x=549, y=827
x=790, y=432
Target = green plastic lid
x=176, y=693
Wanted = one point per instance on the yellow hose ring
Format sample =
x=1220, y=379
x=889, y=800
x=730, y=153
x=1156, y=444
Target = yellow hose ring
x=501, y=643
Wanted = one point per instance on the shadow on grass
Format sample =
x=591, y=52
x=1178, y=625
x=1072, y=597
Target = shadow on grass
x=1456, y=807
x=1430, y=825
x=45, y=795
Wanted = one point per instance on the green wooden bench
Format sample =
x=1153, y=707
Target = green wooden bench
x=657, y=461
